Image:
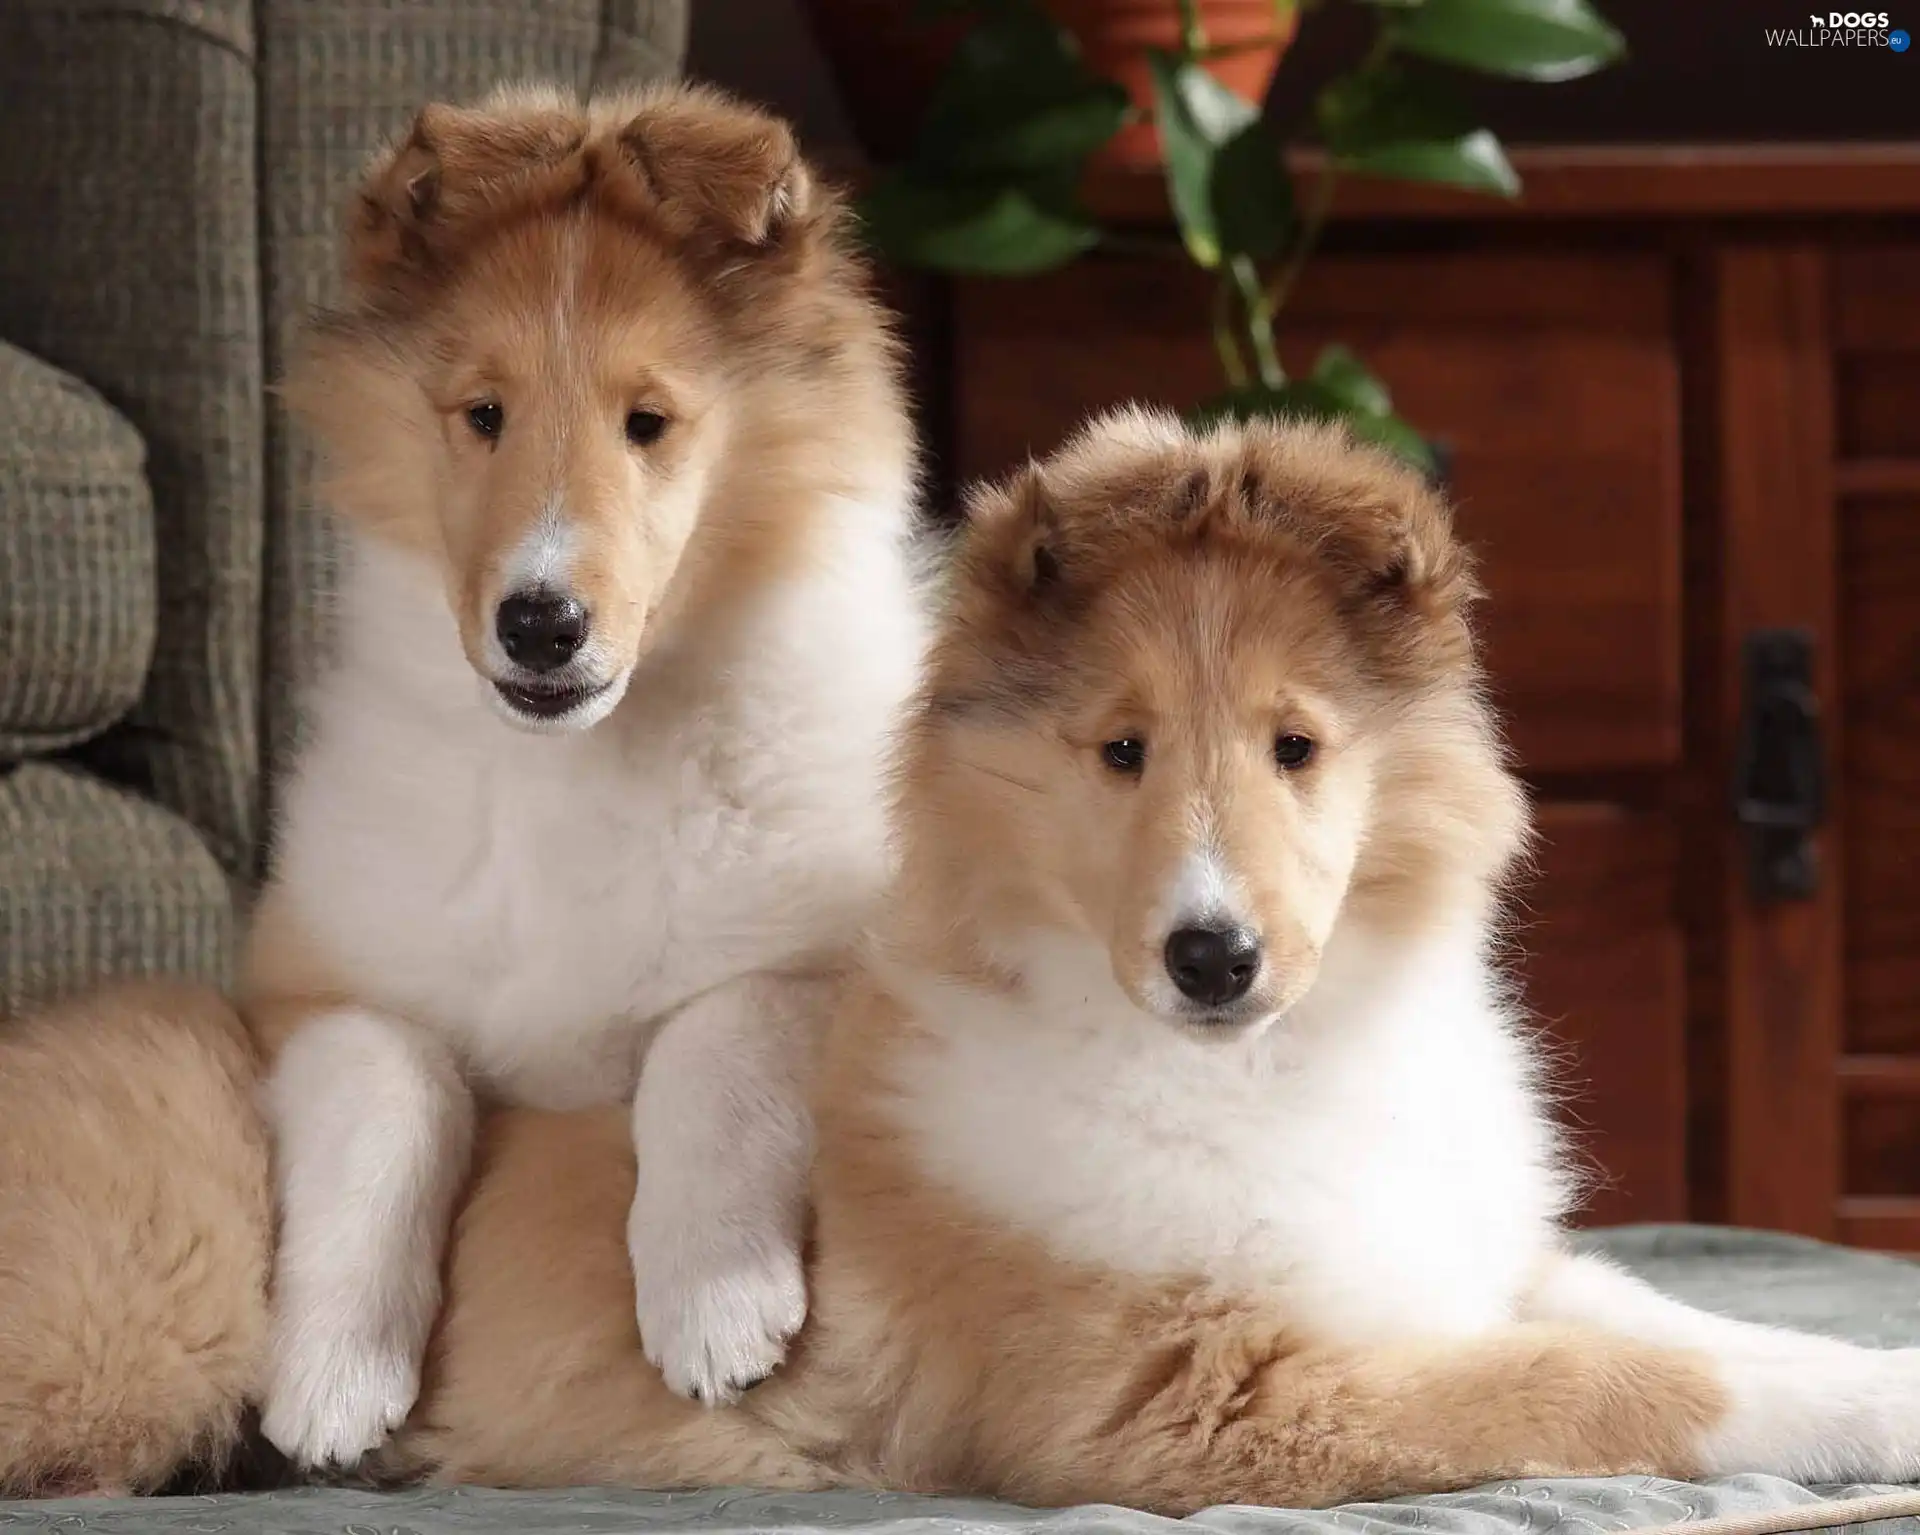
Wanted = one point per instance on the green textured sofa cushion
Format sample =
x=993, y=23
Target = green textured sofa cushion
x=77, y=598
x=98, y=883
x=130, y=257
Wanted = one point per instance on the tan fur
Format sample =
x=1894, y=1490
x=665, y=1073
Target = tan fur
x=607, y=1415
x=943, y=1353
x=285, y=978
x=1206, y=594
x=135, y=1233
x=945, y=1356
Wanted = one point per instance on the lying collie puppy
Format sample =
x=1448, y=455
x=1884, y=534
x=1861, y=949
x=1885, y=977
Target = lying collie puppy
x=1178, y=1143
x=616, y=428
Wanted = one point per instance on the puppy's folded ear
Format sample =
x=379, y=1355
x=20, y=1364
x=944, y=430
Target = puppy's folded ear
x=713, y=169
x=1384, y=532
x=1406, y=554
x=397, y=199
x=1406, y=579
x=429, y=187
x=1014, y=539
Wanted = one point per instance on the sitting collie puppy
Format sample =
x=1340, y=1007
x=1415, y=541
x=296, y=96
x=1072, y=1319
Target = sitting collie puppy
x=596, y=784
x=1178, y=1143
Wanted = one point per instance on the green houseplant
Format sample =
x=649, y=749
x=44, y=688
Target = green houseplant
x=992, y=183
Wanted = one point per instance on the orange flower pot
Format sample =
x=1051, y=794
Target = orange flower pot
x=886, y=60
x=1115, y=36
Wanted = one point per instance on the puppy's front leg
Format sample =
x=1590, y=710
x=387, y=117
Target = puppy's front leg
x=724, y=1138
x=373, y=1128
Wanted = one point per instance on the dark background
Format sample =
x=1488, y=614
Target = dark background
x=1698, y=71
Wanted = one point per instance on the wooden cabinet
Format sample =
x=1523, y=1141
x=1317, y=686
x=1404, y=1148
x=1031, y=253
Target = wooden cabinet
x=1873, y=322
x=1551, y=380
x=1680, y=394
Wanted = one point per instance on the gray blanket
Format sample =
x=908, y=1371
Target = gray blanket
x=1755, y=1275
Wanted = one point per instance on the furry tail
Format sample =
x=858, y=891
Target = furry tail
x=136, y=1223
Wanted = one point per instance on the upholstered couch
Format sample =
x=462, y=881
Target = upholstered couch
x=171, y=177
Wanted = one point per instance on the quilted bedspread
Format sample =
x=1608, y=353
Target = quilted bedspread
x=1760, y=1276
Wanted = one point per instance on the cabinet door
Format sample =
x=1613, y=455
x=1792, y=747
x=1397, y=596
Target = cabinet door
x=1771, y=995
x=1553, y=382
x=1876, y=376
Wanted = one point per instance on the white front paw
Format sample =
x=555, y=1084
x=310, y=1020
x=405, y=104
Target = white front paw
x=331, y=1400
x=715, y=1314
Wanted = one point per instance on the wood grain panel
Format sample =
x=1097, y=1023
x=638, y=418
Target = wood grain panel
x=1891, y=1225
x=1880, y=1127
x=1873, y=293
x=1879, y=476
x=1771, y=368
x=1603, y=181
x=1881, y=1138
x=1876, y=334
x=1877, y=398
x=1604, y=966
x=1880, y=769
x=1551, y=380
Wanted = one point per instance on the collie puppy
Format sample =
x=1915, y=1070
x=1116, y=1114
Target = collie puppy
x=1178, y=1141
x=595, y=788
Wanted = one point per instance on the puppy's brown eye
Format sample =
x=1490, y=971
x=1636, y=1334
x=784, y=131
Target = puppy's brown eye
x=1127, y=755
x=644, y=427
x=486, y=419
x=1292, y=752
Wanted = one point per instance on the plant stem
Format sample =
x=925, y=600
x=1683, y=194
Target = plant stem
x=1311, y=228
x=1321, y=203
x=1193, y=36
x=1231, y=362
x=1259, y=317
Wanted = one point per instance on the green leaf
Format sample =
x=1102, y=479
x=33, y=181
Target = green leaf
x=1252, y=194
x=1312, y=400
x=1526, y=39
x=1225, y=179
x=1061, y=133
x=1476, y=163
x=973, y=230
x=1346, y=379
x=1397, y=437
x=1017, y=96
x=1386, y=120
x=1189, y=165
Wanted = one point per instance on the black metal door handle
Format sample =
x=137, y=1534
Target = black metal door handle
x=1779, y=789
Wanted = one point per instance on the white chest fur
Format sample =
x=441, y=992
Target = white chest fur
x=1377, y=1160
x=544, y=900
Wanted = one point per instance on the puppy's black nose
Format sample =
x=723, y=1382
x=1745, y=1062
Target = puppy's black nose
x=539, y=630
x=1211, y=965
